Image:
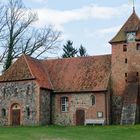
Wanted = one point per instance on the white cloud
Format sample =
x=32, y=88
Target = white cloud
x=101, y=32
x=38, y=1
x=58, y=18
x=110, y=30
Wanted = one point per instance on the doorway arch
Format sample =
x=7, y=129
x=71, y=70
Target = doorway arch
x=15, y=114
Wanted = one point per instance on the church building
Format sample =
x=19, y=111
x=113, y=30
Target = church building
x=76, y=91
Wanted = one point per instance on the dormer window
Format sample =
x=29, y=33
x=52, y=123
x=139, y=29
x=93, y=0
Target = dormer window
x=131, y=36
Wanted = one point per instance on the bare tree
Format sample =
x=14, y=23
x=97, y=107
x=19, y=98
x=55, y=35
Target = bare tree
x=18, y=36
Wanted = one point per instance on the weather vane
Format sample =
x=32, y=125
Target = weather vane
x=133, y=5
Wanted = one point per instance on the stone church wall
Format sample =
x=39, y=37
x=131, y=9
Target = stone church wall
x=79, y=101
x=45, y=107
x=23, y=93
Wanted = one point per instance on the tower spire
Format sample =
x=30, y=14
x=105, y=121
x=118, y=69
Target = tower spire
x=133, y=6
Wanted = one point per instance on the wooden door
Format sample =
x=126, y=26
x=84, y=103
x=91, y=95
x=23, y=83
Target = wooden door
x=16, y=117
x=15, y=114
x=80, y=117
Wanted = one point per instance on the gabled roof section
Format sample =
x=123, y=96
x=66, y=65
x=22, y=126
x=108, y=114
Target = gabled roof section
x=79, y=74
x=18, y=71
x=39, y=72
x=132, y=24
x=27, y=68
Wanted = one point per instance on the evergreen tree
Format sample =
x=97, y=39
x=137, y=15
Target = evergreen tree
x=82, y=51
x=69, y=50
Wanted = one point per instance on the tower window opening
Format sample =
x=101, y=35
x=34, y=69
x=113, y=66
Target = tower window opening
x=138, y=46
x=125, y=48
x=137, y=74
x=125, y=60
x=125, y=74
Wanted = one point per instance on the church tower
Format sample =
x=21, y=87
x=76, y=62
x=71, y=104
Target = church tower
x=125, y=72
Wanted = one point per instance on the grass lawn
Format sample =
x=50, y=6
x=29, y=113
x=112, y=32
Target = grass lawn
x=71, y=133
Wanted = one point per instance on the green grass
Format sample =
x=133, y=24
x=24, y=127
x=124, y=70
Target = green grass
x=71, y=133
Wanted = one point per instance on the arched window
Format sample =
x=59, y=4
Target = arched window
x=93, y=100
x=28, y=112
x=3, y=112
x=64, y=104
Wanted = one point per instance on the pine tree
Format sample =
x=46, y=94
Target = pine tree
x=69, y=50
x=82, y=51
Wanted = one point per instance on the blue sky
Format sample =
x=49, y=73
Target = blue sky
x=91, y=23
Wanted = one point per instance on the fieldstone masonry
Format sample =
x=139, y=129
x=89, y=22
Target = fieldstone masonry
x=80, y=101
x=45, y=107
x=129, y=114
x=23, y=93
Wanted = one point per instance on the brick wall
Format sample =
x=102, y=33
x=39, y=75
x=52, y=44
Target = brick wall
x=121, y=72
x=119, y=67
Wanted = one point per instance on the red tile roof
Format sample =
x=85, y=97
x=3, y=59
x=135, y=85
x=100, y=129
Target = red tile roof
x=27, y=68
x=132, y=24
x=18, y=71
x=63, y=75
x=39, y=72
x=79, y=74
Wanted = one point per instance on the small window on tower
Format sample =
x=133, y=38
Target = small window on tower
x=138, y=46
x=125, y=74
x=137, y=74
x=125, y=48
x=125, y=60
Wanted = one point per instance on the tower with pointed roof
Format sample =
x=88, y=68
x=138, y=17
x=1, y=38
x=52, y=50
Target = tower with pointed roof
x=125, y=71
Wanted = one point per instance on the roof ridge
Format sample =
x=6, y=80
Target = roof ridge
x=48, y=77
x=28, y=64
x=83, y=57
x=35, y=61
